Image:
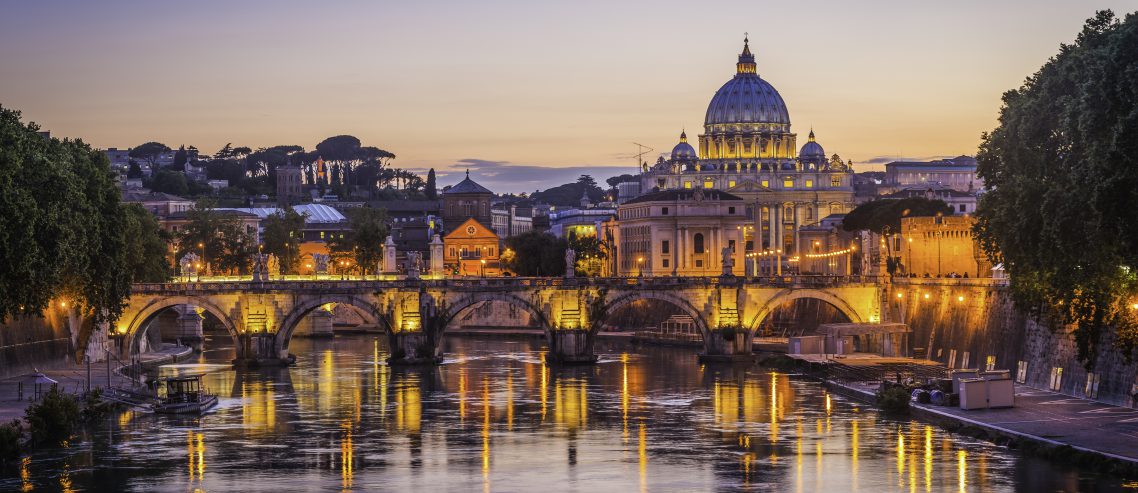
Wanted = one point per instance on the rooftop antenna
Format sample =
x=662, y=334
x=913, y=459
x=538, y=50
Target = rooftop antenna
x=642, y=150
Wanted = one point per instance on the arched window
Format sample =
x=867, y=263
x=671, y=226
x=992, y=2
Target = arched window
x=698, y=242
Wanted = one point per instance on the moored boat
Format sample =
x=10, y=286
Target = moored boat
x=185, y=395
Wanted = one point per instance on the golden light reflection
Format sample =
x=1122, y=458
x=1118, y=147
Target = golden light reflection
x=347, y=456
x=900, y=457
x=774, y=415
x=962, y=479
x=259, y=411
x=798, y=455
x=544, y=387
x=65, y=484
x=642, y=454
x=928, y=458
x=26, y=475
x=624, y=395
x=854, y=455
x=510, y=401
x=818, y=466
x=570, y=403
x=462, y=395
x=408, y=405
x=485, y=435
x=829, y=405
x=195, y=450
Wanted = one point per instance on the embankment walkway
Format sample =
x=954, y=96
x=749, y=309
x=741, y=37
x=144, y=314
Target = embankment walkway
x=1041, y=416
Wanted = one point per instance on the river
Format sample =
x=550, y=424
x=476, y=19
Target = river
x=493, y=417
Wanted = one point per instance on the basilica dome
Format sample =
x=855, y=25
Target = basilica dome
x=747, y=98
x=683, y=150
x=812, y=150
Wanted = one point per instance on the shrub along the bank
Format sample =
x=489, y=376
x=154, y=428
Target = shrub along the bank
x=893, y=400
x=54, y=419
x=10, y=436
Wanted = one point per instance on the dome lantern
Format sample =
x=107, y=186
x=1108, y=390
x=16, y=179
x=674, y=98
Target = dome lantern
x=746, y=63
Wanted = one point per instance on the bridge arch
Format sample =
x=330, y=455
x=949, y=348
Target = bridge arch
x=788, y=295
x=677, y=301
x=457, y=306
x=143, y=317
x=291, y=321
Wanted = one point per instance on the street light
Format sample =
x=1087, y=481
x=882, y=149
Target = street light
x=483, y=267
x=639, y=266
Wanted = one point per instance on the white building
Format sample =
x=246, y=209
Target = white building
x=680, y=232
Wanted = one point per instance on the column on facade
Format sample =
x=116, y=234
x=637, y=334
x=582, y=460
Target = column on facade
x=675, y=248
x=797, y=224
x=776, y=226
x=683, y=252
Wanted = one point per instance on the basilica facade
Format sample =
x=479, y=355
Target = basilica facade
x=747, y=149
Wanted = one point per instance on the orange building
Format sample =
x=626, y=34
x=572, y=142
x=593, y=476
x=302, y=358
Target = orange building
x=472, y=249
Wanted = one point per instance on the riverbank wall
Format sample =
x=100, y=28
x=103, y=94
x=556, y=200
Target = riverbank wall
x=972, y=323
x=29, y=343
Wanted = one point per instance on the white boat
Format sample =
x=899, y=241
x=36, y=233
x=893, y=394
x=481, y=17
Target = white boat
x=185, y=395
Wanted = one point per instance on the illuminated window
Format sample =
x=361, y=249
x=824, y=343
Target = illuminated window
x=835, y=181
x=788, y=183
x=708, y=184
x=730, y=183
x=766, y=184
x=687, y=184
x=321, y=235
x=809, y=183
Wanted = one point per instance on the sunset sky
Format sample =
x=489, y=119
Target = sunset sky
x=525, y=94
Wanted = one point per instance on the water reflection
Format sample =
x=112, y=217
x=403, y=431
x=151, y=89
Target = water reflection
x=497, y=416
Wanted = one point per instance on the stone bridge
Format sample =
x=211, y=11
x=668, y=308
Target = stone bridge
x=262, y=316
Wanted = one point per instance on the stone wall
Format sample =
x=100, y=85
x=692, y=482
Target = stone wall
x=27, y=343
x=951, y=317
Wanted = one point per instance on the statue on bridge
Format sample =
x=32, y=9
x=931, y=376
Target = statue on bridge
x=274, y=267
x=260, y=269
x=413, y=261
x=320, y=263
x=728, y=261
x=189, y=264
x=570, y=262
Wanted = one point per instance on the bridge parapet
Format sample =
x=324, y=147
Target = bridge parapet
x=502, y=283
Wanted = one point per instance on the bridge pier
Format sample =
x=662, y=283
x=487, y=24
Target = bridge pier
x=570, y=346
x=413, y=348
x=319, y=324
x=728, y=346
x=259, y=349
x=189, y=328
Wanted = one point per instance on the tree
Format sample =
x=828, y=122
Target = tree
x=432, y=190
x=570, y=194
x=1062, y=167
x=536, y=254
x=590, y=254
x=146, y=245
x=171, y=182
x=180, y=159
x=616, y=180
x=368, y=231
x=60, y=225
x=135, y=171
x=149, y=153
x=876, y=215
x=283, y=233
x=218, y=238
